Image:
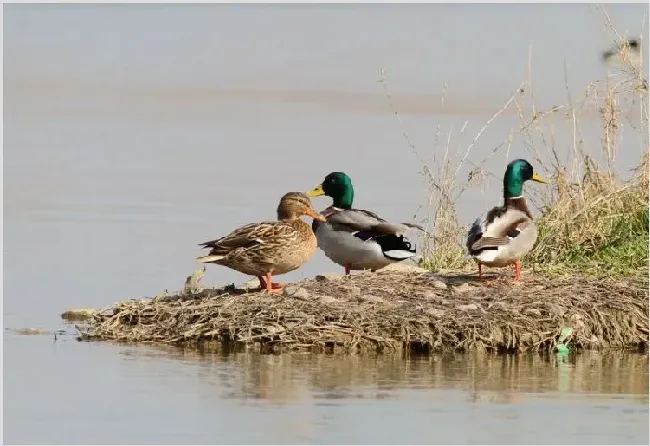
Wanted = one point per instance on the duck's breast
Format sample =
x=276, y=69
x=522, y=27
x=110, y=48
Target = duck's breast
x=297, y=252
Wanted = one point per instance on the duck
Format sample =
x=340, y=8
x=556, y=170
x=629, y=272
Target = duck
x=269, y=248
x=508, y=231
x=357, y=239
x=627, y=50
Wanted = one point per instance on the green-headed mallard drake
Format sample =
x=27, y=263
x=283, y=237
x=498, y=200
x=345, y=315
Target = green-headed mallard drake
x=508, y=231
x=355, y=238
x=271, y=247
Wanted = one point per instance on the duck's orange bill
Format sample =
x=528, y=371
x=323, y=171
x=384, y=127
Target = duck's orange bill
x=315, y=215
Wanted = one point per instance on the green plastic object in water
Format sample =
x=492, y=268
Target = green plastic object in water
x=561, y=348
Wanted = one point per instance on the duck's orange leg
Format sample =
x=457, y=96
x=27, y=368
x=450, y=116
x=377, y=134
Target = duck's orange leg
x=517, y=270
x=347, y=269
x=273, y=288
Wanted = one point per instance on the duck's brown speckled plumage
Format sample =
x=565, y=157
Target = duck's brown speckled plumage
x=271, y=246
x=275, y=247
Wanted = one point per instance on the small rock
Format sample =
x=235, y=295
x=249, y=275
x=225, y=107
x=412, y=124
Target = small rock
x=297, y=292
x=328, y=299
x=467, y=307
x=439, y=284
x=463, y=288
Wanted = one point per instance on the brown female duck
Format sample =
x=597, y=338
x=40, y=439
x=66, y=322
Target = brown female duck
x=269, y=248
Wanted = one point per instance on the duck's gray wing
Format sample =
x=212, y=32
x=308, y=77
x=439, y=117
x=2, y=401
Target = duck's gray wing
x=353, y=220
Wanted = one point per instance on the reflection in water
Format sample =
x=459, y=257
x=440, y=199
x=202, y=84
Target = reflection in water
x=171, y=396
x=339, y=399
x=294, y=378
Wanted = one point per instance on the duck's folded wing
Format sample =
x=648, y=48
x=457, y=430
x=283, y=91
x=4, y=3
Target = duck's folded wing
x=354, y=220
x=249, y=235
x=402, y=227
x=489, y=242
x=495, y=236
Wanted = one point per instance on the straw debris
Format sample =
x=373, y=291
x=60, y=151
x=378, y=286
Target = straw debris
x=389, y=311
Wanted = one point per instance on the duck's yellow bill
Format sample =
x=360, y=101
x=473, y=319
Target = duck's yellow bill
x=316, y=192
x=538, y=178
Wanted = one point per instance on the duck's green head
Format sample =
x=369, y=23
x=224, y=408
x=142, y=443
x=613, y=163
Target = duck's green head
x=338, y=186
x=517, y=173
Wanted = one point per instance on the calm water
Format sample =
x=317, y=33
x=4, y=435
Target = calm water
x=134, y=132
x=84, y=393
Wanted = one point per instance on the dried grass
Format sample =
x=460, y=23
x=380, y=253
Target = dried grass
x=389, y=311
